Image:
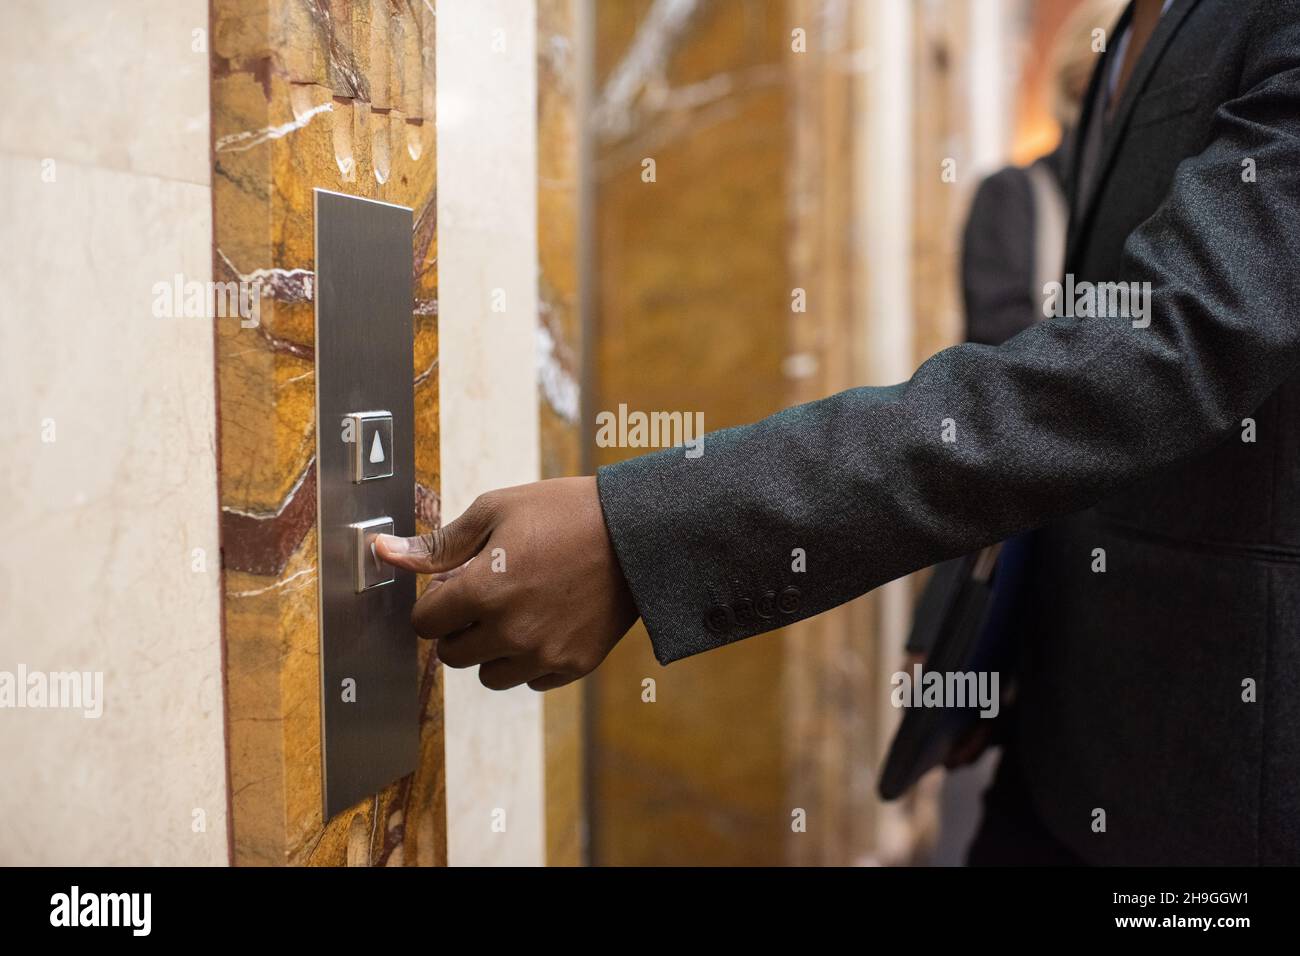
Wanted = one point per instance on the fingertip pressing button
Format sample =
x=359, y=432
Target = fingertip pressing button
x=369, y=571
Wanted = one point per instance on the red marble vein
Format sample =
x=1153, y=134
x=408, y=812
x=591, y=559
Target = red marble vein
x=263, y=544
x=428, y=506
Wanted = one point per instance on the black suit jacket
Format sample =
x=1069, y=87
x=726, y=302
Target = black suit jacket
x=1122, y=440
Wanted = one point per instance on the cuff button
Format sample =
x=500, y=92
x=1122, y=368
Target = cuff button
x=788, y=602
x=744, y=612
x=718, y=618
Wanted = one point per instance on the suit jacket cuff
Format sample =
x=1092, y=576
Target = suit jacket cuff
x=670, y=520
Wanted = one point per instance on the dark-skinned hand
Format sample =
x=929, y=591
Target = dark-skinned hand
x=526, y=585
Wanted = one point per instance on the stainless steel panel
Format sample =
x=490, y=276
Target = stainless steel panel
x=364, y=360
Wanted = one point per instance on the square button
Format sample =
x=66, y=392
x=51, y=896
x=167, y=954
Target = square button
x=372, y=445
x=370, y=571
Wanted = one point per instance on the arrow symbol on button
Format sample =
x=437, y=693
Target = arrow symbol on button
x=376, y=450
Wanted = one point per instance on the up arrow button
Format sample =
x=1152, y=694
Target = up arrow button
x=370, y=435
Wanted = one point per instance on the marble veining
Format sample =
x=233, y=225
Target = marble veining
x=335, y=95
x=247, y=139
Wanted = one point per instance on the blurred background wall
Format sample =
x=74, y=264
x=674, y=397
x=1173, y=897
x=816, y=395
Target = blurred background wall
x=775, y=193
x=564, y=57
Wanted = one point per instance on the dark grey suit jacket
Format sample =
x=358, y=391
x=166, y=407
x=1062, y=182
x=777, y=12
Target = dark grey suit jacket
x=1113, y=437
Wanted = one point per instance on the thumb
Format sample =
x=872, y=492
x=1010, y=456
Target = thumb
x=445, y=548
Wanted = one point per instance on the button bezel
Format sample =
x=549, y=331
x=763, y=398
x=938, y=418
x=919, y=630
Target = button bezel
x=382, y=421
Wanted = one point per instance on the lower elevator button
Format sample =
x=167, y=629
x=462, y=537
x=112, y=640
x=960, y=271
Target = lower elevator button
x=370, y=571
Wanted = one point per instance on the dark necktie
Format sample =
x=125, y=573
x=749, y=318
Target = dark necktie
x=1143, y=23
x=1146, y=16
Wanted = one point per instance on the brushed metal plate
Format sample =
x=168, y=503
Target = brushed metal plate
x=370, y=731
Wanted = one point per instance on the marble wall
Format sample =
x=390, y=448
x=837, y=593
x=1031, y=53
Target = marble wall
x=113, y=566
x=829, y=670
x=336, y=94
x=797, y=147
x=488, y=229
x=563, y=64
x=692, y=289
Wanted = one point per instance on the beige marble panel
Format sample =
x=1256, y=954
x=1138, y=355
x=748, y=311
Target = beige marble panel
x=122, y=84
x=111, y=514
x=487, y=222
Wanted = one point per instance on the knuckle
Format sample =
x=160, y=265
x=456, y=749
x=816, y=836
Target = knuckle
x=450, y=655
x=530, y=638
x=550, y=659
x=435, y=544
x=492, y=592
x=543, y=663
x=474, y=592
x=420, y=623
x=584, y=661
x=513, y=641
x=486, y=505
x=557, y=663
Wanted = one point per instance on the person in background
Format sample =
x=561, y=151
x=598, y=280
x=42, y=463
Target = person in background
x=1014, y=241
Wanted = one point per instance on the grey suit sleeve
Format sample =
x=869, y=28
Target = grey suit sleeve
x=866, y=486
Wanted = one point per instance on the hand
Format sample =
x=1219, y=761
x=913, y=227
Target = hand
x=526, y=585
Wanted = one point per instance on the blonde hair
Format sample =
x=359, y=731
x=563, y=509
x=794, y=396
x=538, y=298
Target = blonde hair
x=1073, y=55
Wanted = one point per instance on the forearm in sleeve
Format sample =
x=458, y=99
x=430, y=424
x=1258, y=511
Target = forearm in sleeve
x=865, y=482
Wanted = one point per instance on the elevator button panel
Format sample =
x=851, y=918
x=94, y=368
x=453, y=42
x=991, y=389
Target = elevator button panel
x=365, y=474
x=372, y=445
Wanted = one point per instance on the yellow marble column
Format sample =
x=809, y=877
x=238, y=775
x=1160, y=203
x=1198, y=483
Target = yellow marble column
x=563, y=48
x=337, y=94
x=692, y=298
